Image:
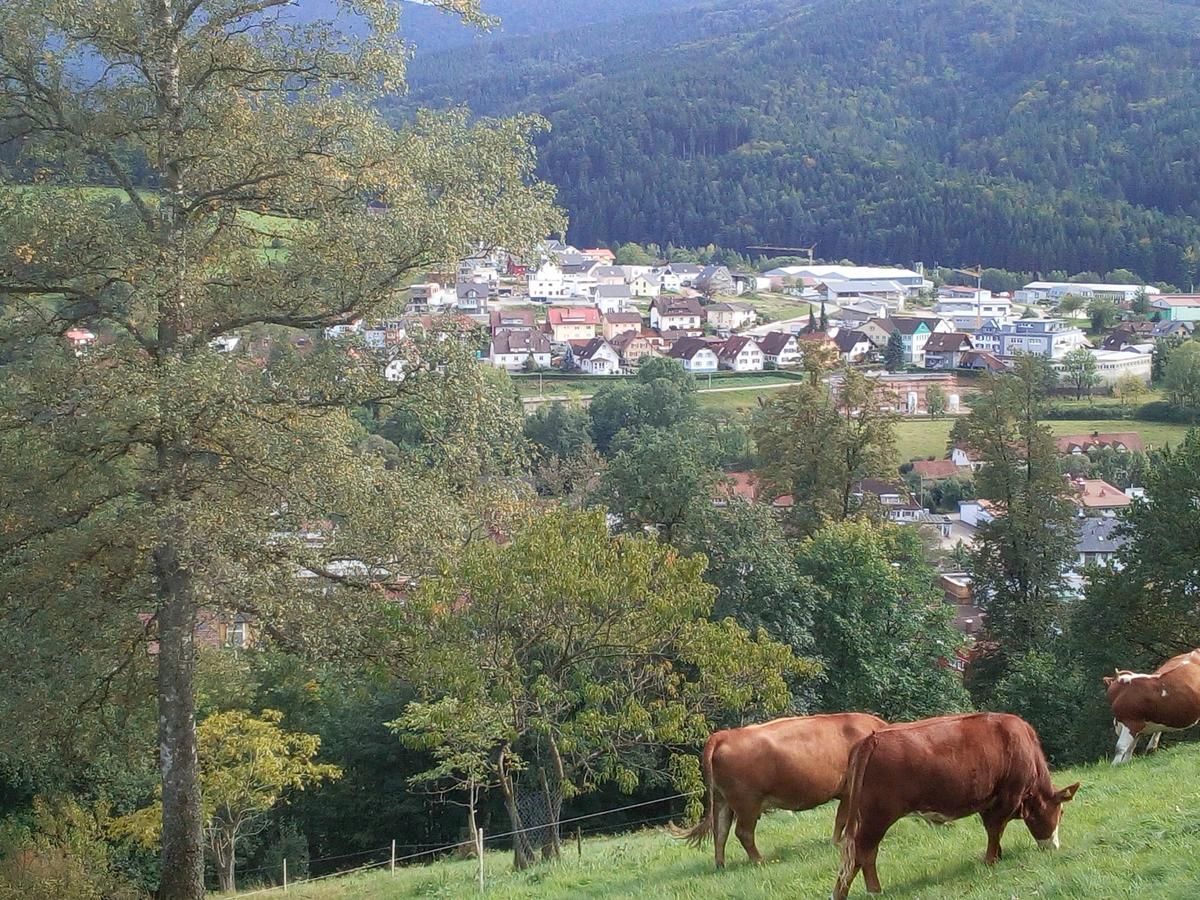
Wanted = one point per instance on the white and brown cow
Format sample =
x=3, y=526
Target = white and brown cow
x=793, y=763
x=1167, y=699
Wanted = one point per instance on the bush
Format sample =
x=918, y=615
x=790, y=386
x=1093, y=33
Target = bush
x=1162, y=411
x=1098, y=410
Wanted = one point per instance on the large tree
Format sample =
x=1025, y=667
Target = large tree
x=1079, y=371
x=1021, y=556
x=152, y=482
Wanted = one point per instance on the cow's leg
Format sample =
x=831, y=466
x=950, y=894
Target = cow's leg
x=849, y=870
x=1126, y=741
x=1154, y=739
x=868, y=848
x=722, y=820
x=747, y=819
x=995, y=824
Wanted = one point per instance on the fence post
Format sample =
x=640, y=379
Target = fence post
x=579, y=840
x=392, y=867
x=479, y=853
x=285, y=874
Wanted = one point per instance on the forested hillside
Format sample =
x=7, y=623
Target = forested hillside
x=1034, y=134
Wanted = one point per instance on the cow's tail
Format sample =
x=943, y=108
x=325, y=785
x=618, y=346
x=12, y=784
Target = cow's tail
x=860, y=756
x=698, y=833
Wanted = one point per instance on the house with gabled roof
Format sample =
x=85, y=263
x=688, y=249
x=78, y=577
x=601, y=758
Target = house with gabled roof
x=677, y=313
x=635, y=346
x=780, y=349
x=512, y=319
x=612, y=297
x=512, y=350
x=598, y=357
x=730, y=316
x=615, y=323
x=852, y=345
x=740, y=354
x=944, y=350
x=695, y=354
x=1125, y=441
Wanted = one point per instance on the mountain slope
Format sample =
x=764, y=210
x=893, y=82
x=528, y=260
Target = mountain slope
x=1131, y=831
x=1033, y=134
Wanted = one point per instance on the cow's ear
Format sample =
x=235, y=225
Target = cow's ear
x=1067, y=793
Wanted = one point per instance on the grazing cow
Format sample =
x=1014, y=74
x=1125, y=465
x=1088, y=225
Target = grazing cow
x=794, y=763
x=1167, y=699
x=944, y=769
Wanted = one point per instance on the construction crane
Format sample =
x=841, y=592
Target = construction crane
x=790, y=251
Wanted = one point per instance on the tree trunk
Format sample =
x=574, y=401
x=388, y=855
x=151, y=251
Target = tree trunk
x=472, y=826
x=182, y=847
x=522, y=849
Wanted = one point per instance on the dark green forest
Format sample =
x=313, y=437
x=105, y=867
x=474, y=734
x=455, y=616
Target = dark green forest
x=1030, y=135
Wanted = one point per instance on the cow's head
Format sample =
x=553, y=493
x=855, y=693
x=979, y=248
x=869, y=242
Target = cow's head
x=1043, y=813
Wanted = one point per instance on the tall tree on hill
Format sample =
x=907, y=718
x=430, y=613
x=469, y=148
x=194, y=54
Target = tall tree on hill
x=152, y=479
x=1019, y=564
x=893, y=353
x=1079, y=371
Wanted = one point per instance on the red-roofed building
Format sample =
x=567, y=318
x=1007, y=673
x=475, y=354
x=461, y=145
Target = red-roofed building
x=1129, y=441
x=572, y=323
x=1096, y=497
x=936, y=469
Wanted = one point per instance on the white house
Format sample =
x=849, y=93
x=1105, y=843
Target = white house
x=1054, y=291
x=645, y=285
x=970, y=308
x=741, y=354
x=430, y=297
x=780, y=348
x=976, y=512
x=612, y=297
x=1051, y=338
x=598, y=358
x=730, y=316
x=472, y=296
x=512, y=349
x=676, y=313
x=546, y=283
x=695, y=354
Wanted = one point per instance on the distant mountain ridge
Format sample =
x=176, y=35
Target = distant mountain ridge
x=1031, y=134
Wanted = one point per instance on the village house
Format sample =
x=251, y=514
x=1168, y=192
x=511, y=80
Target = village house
x=968, y=308
x=600, y=254
x=893, y=501
x=676, y=276
x=615, y=323
x=572, y=323
x=546, y=283
x=1096, y=497
x=635, y=346
x=1051, y=338
x=645, y=285
x=608, y=274
x=1125, y=441
x=944, y=350
x=512, y=350
x=695, y=354
x=598, y=357
x=512, y=319
x=741, y=354
x=977, y=512
x=429, y=297
x=715, y=280
x=780, y=349
x=612, y=297
x=1098, y=542
x=965, y=458
x=982, y=360
x=890, y=293
x=677, y=313
x=730, y=316
x=915, y=332
x=853, y=346
x=472, y=296
x=933, y=470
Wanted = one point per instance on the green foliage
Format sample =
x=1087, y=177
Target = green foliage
x=1020, y=557
x=1103, y=314
x=1182, y=381
x=893, y=353
x=882, y=630
x=935, y=401
x=1045, y=690
x=663, y=395
x=1079, y=371
x=816, y=444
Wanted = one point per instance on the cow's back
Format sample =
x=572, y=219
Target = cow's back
x=793, y=763
x=950, y=766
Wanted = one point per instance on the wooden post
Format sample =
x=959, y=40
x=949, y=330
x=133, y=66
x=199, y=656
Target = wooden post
x=579, y=841
x=479, y=853
x=392, y=866
x=285, y=874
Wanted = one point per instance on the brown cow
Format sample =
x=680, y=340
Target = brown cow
x=1168, y=699
x=944, y=769
x=794, y=763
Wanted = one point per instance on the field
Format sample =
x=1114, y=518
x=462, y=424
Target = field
x=576, y=386
x=1130, y=832
x=921, y=438
x=777, y=306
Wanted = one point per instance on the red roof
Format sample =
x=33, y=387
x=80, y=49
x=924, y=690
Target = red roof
x=573, y=315
x=935, y=468
x=1118, y=440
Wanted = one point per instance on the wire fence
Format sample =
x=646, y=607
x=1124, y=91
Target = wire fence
x=393, y=860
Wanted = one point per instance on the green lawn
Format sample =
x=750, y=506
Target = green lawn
x=586, y=385
x=1130, y=832
x=777, y=306
x=920, y=438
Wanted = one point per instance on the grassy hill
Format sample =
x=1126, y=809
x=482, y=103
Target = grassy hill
x=1131, y=832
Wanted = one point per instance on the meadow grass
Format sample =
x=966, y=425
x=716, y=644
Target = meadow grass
x=921, y=438
x=1132, y=831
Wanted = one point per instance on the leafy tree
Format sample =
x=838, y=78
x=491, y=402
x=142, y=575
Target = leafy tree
x=1071, y=303
x=882, y=630
x=893, y=353
x=1103, y=313
x=935, y=401
x=816, y=444
x=166, y=472
x=1044, y=688
x=658, y=477
x=247, y=764
x=662, y=395
x=1140, y=303
x=1182, y=381
x=1130, y=390
x=579, y=676
x=1020, y=556
x=631, y=254
x=559, y=429
x=1163, y=348
x=1079, y=371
